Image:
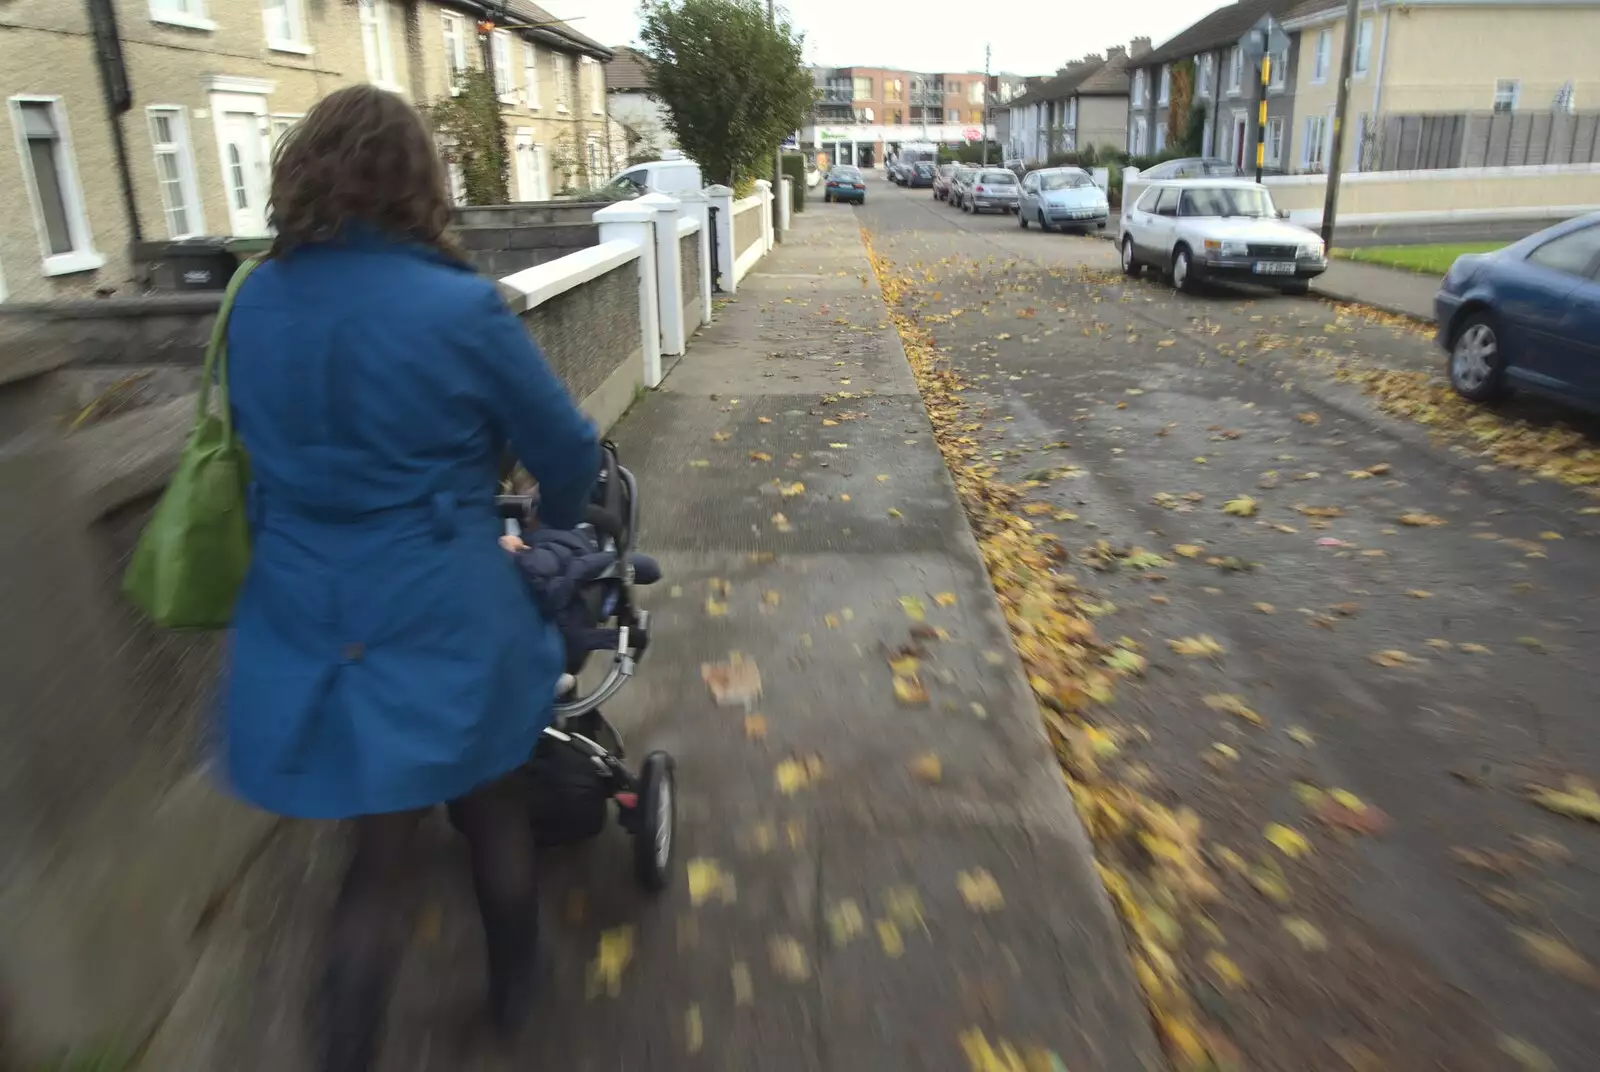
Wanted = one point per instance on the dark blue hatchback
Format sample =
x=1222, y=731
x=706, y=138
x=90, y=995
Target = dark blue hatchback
x=1527, y=316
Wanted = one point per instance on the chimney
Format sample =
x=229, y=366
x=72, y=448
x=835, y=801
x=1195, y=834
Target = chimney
x=1139, y=46
x=1116, y=52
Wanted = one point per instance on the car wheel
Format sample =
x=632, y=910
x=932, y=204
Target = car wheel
x=1183, y=276
x=1044, y=225
x=1022, y=220
x=1298, y=287
x=1477, y=365
x=827, y=198
x=1130, y=263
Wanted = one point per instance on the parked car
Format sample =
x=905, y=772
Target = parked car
x=1200, y=229
x=1064, y=197
x=845, y=183
x=992, y=190
x=941, y=181
x=1526, y=316
x=673, y=174
x=960, y=183
x=921, y=175
x=1191, y=167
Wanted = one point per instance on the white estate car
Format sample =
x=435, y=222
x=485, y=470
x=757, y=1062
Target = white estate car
x=1216, y=228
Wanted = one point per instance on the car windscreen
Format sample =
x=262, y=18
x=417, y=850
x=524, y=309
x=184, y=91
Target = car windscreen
x=848, y=174
x=997, y=178
x=1064, y=180
x=1227, y=201
x=924, y=169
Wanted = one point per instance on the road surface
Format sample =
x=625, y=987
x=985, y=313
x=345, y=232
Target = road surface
x=1411, y=625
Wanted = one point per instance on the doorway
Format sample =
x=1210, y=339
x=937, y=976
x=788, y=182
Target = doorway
x=1241, y=132
x=528, y=185
x=243, y=142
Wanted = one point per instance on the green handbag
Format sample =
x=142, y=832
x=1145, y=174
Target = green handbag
x=192, y=556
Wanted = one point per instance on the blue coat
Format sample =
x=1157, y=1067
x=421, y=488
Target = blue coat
x=385, y=654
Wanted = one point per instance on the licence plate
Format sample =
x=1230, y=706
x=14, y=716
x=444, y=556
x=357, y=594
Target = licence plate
x=1274, y=268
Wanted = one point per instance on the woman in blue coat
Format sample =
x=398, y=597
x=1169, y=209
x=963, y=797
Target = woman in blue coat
x=385, y=656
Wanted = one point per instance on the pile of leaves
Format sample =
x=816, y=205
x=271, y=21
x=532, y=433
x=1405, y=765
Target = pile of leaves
x=1149, y=857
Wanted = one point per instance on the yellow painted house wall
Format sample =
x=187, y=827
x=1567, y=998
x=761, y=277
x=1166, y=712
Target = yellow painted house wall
x=1447, y=59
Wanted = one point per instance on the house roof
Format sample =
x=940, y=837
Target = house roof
x=1223, y=26
x=627, y=70
x=1088, y=78
x=523, y=14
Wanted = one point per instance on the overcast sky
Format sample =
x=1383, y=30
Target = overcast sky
x=1031, y=37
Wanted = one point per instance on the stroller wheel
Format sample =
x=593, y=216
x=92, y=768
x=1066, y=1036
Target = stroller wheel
x=658, y=819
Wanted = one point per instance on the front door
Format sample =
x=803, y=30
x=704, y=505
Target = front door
x=1241, y=129
x=527, y=175
x=242, y=142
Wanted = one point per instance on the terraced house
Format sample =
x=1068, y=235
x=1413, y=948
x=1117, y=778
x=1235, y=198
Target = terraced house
x=140, y=121
x=1084, y=104
x=1204, y=67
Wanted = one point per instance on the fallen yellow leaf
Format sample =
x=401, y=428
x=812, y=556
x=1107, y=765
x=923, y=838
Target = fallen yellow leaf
x=1289, y=841
x=789, y=959
x=1306, y=933
x=1197, y=647
x=1243, y=506
x=1392, y=657
x=908, y=689
x=707, y=879
x=1416, y=520
x=789, y=491
x=1229, y=704
x=1579, y=801
x=755, y=727
x=1265, y=608
x=927, y=767
x=1226, y=971
x=760, y=456
x=945, y=599
x=980, y=891
x=1554, y=955
x=1187, y=550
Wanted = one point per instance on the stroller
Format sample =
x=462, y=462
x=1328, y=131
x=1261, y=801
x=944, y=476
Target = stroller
x=577, y=766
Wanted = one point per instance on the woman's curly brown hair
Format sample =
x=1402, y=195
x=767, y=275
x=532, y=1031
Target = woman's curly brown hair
x=361, y=155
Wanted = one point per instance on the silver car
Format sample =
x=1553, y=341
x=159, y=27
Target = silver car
x=1064, y=197
x=991, y=190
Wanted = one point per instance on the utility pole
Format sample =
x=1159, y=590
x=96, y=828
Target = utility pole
x=983, y=119
x=777, y=155
x=1330, y=205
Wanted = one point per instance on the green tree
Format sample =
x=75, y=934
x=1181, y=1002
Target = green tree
x=734, y=86
x=472, y=133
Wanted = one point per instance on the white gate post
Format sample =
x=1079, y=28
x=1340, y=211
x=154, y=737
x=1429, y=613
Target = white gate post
x=669, y=271
x=764, y=191
x=786, y=204
x=698, y=206
x=630, y=221
x=721, y=198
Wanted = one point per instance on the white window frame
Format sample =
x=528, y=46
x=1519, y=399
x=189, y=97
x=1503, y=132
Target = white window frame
x=1139, y=85
x=1278, y=77
x=1203, y=77
x=1235, y=71
x=82, y=257
x=1313, y=144
x=1321, y=53
x=597, y=86
x=190, y=14
x=1161, y=137
x=562, y=63
x=295, y=14
x=279, y=124
x=374, y=16
x=1513, y=97
x=1141, y=135
x=182, y=148
x=1164, y=90
x=505, y=76
x=530, y=74
x=456, y=31
x=1362, y=63
x=1274, y=146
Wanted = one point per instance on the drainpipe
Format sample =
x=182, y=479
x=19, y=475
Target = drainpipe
x=119, y=100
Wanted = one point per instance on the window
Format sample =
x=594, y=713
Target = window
x=1319, y=56
x=1275, y=140
x=977, y=115
x=285, y=22
x=190, y=13
x=375, y=43
x=52, y=179
x=1244, y=201
x=861, y=86
x=1278, y=75
x=1314, y=143
x=1168, y=204
x=1203, y=79
x=530, y=74
x=1139, y=135
x=1506, y=91
x=455, y=48
x=281, y=125
x=1363, y=47
x=1148, y=199
x=596, y=167
x=169, y=137
x=893, y=89
x=1165, y=92
x=1138, y=87
x=1571, y=253
x=597, y=86
x=504, y=82
x=1235, y=70
x=952, y=115
x=1161, y=136
x=563, y=81
x=975, y=93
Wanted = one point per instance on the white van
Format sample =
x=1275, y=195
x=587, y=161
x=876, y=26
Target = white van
x=674, y=174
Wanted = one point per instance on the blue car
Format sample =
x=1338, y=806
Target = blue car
x=845, y=183
x=1526, y=316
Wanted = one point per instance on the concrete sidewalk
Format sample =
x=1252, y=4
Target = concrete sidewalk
x=1391, y=289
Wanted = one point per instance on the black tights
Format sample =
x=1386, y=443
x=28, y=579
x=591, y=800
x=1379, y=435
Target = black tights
x=372, y=918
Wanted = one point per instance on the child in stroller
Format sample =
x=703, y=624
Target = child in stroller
x=583, y=580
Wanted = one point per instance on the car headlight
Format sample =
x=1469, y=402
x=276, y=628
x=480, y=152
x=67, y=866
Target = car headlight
x=1311, y=249
x=1227, y=249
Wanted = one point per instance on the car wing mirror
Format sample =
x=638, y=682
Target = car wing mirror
x=1283, y=214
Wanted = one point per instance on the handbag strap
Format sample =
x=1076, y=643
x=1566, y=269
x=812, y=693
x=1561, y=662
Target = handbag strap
x=216, y=362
